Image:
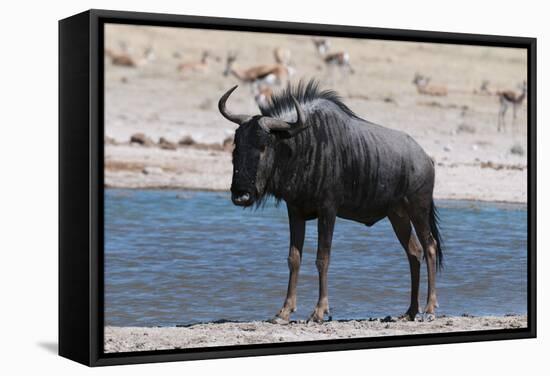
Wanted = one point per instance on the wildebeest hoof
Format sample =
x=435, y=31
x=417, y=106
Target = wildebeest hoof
x=428, y=317
x=278, y=320
x=314, y=318
x=409, y=317
x=311, y=321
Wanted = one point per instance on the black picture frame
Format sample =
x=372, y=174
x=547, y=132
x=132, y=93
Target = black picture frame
x=81, y=186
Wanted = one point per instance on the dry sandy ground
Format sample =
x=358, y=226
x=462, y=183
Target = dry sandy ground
x=119, y=339
x=473, y=161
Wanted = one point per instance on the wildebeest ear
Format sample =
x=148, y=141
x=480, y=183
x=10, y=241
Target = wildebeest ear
x=282, y=128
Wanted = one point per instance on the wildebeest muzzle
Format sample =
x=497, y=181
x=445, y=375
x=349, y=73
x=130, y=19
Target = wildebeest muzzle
x=242, y=198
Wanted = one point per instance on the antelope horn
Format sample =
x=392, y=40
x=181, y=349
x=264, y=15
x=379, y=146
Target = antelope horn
x=271, y=124
x=238, y=119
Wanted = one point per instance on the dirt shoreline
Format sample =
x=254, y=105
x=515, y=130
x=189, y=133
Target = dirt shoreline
x=123, y=339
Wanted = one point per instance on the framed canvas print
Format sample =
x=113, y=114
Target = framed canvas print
x=235, y=187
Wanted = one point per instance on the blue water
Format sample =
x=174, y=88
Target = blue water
x=181, y=257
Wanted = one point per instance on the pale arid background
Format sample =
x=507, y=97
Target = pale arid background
x=163, y=130
x=473, y=160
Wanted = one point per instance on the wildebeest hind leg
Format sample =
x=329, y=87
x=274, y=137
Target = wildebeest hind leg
x=297, y=226
x=401, y=224
x=419, y=211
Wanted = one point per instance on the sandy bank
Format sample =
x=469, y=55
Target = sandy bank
x=121, y=339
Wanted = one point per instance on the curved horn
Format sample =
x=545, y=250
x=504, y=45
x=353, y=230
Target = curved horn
x=238, y=119
x=272, y=124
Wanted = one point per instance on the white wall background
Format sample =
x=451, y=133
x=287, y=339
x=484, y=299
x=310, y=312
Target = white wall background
x=28, y=187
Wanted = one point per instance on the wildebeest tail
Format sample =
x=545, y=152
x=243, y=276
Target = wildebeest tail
x=434, y=228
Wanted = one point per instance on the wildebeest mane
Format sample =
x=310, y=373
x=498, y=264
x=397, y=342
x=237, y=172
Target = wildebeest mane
x=306, y=94
x=331, y=139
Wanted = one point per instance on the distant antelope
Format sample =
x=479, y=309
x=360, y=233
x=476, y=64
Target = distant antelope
x=423, y=86
x=124, y=59
x=335, y=59
x=483, y=89
x=197, y=66
x=507, y=98
x=263, y=95
x=321, y=45
x=120, y=59
x=149, y=54
x=282, y=55
x=261, y=74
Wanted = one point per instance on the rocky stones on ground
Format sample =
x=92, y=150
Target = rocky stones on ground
x=387, y=319
x=152, y=170
x=186, y=141
x=167, y=145
x=501, y=166
x=141, y=139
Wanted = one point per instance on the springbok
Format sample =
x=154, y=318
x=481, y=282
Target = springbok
x=321, y=45
x=507, y=98
x=282, y=55
x=483, y=88
x=120, y=59
x=124, y=59
x=260, y=74
x=423, y=86
x=263, y=95
x=335, y=59
x=196, y=66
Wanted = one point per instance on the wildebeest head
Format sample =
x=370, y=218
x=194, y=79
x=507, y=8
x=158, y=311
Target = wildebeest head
x=254, y=151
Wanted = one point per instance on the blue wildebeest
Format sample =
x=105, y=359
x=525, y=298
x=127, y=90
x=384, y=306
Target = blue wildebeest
x=310, y=150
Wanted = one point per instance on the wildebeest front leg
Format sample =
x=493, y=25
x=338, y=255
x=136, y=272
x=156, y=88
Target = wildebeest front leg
x=325, y=228
x=297, y=233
